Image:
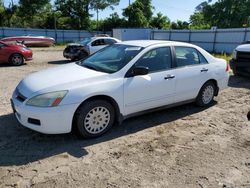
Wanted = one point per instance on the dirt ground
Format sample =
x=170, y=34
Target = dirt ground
x=186, y=146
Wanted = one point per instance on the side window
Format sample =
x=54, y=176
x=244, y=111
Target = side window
x=109, y=41
x=98, y=42
x=156, y=60
x=202, y=59
x=186, y=56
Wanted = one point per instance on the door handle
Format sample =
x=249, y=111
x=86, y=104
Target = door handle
x=168, y=77
x=204, y=70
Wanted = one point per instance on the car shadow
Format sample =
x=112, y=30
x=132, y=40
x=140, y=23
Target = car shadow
x=20, y=146
x=60, y=62
x=10, y=65
x=239, y=82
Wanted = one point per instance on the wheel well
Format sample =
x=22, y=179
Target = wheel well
x=216, y=86
x=106, y=98
x=15, y=54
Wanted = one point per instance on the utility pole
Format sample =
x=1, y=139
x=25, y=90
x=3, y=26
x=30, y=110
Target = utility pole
x=97, y=19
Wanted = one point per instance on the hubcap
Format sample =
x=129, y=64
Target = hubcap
x=17, y=60
x=97, y=120
x=208, y=94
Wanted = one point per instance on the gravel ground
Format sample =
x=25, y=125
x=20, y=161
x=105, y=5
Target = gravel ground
x=186, y=146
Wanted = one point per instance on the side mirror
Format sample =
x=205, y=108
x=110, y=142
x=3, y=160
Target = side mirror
x=139, y=71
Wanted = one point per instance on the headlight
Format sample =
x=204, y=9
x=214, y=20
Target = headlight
x=25, y=49
x=48, y=99
x=234, y=54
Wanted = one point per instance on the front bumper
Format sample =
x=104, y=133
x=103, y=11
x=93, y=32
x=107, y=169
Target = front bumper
x=240, y=67
x=28, y=56
x=53, y=120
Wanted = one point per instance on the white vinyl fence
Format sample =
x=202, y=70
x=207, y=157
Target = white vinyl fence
x=58, y=35
x=220, y=40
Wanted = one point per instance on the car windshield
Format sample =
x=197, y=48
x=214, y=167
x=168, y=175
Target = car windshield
x=85, y=41
x=111, y=59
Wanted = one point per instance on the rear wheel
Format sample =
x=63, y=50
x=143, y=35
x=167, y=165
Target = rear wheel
x=94, y=118
x=16, y=59
x=206, y=94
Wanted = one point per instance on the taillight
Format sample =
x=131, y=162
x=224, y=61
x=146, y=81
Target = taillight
x=227, y=68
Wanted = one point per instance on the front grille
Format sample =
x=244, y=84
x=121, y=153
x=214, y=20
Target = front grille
x=243, y=56
x=20, y=97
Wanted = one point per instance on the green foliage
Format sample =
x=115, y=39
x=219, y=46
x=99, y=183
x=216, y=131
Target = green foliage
x=135, y=15
x=114, y=21
x=179, y=25
x=102, y=4
x=226, y=13
x=75, y=14
x=160, y=21
x=197, y=21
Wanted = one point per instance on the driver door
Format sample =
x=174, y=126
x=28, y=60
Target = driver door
x=97, y=45
x=154, y=89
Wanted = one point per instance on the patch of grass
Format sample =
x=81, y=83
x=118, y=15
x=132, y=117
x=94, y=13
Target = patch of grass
x=225, y=56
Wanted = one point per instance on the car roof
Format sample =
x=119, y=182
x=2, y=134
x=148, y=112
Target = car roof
x=102, y=37
x=146, y=43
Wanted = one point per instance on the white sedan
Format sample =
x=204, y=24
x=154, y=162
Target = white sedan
x=117, y=82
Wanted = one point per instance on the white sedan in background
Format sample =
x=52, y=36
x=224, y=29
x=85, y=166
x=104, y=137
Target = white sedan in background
x=117, y=82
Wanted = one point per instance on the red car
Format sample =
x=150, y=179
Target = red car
x=14, y=54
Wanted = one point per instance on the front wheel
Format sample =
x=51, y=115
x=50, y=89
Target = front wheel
x=206, y=94
x=16, y=59
x=94, y=118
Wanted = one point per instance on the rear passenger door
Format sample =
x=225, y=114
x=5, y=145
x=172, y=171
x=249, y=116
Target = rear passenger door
x=192, y=71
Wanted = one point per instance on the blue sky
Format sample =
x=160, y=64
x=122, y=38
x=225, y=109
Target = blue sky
x=174, y=9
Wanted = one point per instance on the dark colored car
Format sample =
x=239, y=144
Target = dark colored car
x=240, y=64
x=16, y=54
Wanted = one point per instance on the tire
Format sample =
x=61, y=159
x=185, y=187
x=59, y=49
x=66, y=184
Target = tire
x=16, y=59
x=206, y=95
x=94, y=118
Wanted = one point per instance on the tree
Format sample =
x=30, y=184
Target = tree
x=2, y=12
x=147, y=8
x=197, y=21
x=226, y=13
x=114, y=21
x=160, y=21
x=74, y=13
x=101, y=5
x=135, y=15
x=28, y=9
x=179, y=25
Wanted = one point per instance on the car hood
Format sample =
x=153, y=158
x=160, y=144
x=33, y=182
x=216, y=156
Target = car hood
x=243, y=48
x=58, y=78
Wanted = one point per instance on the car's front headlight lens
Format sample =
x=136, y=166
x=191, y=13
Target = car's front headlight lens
x=25, y=49
x=234, y=54
x=48, y=99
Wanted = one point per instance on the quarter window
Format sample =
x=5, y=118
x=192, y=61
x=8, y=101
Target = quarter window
x=202, y=59
x=186, y=56
x=156, y=60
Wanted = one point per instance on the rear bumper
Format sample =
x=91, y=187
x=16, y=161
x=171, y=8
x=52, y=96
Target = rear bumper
x=240, y=67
